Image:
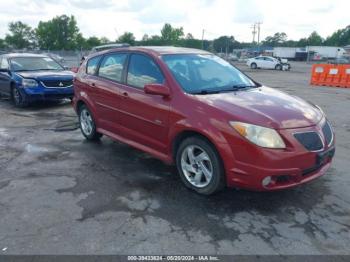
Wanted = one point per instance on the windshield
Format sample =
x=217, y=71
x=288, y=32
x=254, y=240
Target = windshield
x=205, y=73
x=34, y=64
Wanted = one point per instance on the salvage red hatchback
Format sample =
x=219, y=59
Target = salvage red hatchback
x=191, y=108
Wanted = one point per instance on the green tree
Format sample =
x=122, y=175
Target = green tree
x=2, y=44
x=225, y=43
x=127, y=37
x=314, y=39
x=92, y=41
x=278, y=39
x=189, y=36
x=171, y=35
x=61, y=32
x=21, y=35
x=340, y=37
x=104, y=40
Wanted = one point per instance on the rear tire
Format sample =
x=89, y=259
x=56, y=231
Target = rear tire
x=200, y=166
x=87, y=124
x=253, y=66
x=17, y=97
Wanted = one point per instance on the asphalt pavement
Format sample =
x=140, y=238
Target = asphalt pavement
x=62, y=195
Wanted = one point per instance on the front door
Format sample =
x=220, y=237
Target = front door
x=144, y=117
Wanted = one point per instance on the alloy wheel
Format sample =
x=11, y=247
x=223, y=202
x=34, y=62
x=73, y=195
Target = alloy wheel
x=86, y=122
x=197, y=166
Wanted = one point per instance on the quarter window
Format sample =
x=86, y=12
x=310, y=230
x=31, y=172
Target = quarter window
x=92, y=65
x=112, y=67
x=142, y=70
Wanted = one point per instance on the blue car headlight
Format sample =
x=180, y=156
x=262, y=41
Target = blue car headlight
x=28, y=83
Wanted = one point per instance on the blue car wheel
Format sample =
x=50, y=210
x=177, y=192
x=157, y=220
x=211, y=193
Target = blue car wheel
x=17, y=97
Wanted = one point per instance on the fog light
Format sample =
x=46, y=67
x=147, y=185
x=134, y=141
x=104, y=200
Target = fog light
x=266, y=181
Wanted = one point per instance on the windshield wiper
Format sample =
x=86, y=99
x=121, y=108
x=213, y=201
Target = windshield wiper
x=205, y=92
x=236, y=87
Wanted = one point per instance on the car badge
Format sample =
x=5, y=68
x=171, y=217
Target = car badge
x=60, y=84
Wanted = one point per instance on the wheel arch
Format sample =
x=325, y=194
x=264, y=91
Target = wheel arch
x=186, y=133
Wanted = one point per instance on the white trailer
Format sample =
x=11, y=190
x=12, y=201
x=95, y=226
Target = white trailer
x=327, y=51
x=285, y=52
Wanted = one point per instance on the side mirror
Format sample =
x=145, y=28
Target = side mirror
x=157, y=89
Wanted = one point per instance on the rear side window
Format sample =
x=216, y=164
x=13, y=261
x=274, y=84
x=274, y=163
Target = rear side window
x=143, y=70
x=92, y=64
x=112, y=67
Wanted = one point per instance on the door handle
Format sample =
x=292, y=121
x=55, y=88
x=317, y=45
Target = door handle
x=93, y=84
x=125, y=95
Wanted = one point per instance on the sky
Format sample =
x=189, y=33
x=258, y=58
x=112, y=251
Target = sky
x=111, y=18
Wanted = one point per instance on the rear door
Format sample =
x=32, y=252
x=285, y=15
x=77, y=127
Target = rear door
x=5, y=78
x=144, y=117
x=107, y=94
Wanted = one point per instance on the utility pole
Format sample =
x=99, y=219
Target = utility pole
x=258, y=24
x=203, y=39
x=254, y=32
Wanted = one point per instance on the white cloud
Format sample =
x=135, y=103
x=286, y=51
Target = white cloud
x=111, y=18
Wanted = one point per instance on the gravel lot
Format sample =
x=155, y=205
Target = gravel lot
x=62, y=195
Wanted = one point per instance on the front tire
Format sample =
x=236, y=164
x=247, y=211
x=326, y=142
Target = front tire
x=17, y=98
x=87, y=124
x=278, y=67
x=200, y=166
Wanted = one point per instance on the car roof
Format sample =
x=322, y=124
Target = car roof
x=156, y=50
x=9, y=55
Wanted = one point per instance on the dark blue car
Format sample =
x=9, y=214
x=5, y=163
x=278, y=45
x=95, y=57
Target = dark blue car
x=27, y=78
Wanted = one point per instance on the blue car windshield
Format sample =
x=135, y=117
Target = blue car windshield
x=197, y=73
x=34, y=64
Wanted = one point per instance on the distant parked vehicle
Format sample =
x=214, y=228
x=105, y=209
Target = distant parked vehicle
x=108, y=46
x=340, y=60
x=267, y=62
x=30, y=77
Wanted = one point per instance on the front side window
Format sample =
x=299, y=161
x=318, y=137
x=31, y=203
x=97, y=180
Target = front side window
x=198, y=73
x=143, y=70
x=91, y=65
x=34, y=64
x=112, y=67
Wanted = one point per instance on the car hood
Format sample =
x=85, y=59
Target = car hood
x=265, y=106
x=47, y=75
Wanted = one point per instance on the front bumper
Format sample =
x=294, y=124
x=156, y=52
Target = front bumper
x=251, y=177
x=247, y=165
x=41, y=93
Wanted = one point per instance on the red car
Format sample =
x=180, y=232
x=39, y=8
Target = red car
x=191, y=108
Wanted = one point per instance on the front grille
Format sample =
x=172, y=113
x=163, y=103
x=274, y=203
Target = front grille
x=310, y=140
x=327, y=132
x=57, y=83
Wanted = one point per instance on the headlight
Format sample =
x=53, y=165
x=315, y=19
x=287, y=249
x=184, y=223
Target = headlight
x=261, y=136
x=26, y=82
